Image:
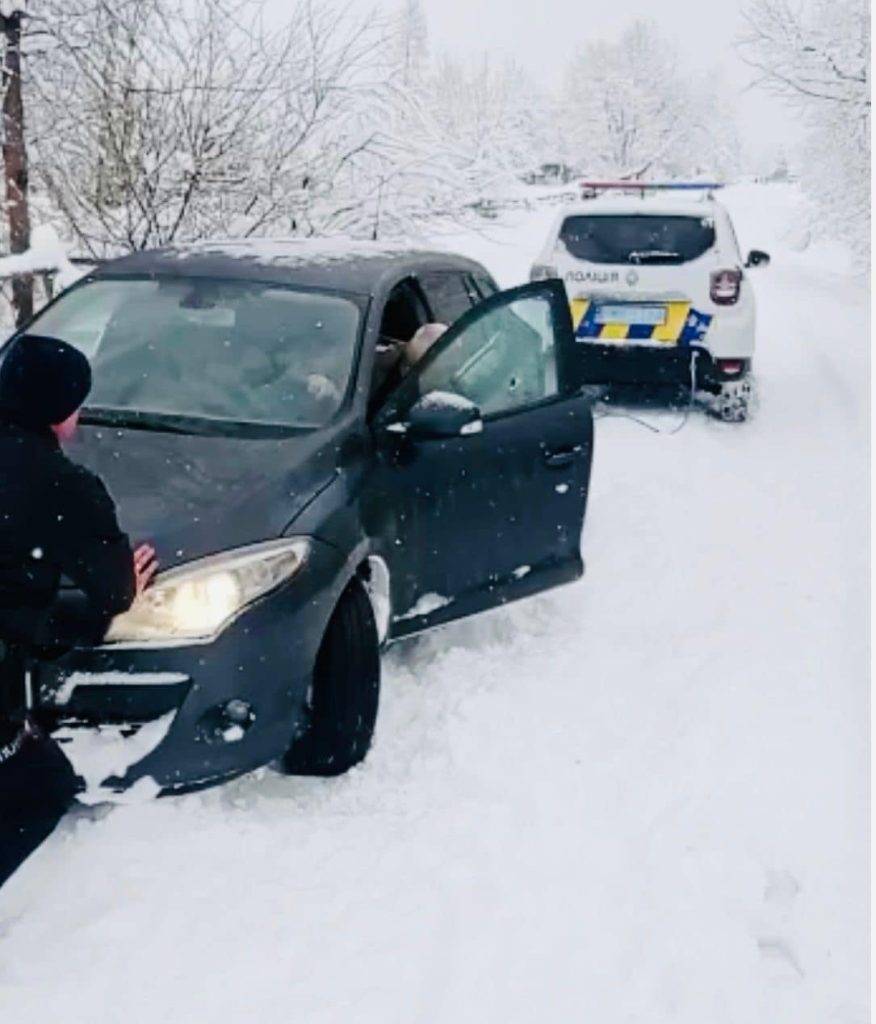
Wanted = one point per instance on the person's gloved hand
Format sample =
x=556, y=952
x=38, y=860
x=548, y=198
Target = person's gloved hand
x=145, y=567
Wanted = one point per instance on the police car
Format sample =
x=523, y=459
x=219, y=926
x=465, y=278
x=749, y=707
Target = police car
x=658, y=289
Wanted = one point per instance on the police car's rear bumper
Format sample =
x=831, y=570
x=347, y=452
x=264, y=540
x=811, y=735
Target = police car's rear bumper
x=648, y=365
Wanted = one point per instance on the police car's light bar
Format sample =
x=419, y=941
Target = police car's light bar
x=655, y=186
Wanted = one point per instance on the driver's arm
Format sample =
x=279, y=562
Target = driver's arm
x=386, y=374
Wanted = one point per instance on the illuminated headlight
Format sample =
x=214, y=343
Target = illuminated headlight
x=195, y=602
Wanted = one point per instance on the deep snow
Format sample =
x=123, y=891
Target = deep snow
x=642, y=798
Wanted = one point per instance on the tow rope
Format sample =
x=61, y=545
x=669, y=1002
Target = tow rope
x=604, y=413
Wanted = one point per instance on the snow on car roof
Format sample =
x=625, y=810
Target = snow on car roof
x=662, y=204
x=286, y=249
x=341, y=264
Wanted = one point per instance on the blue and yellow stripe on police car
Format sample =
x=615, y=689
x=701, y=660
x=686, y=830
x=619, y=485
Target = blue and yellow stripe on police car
x=682, y=325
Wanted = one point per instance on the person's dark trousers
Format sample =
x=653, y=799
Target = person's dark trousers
x=37, y=786
x=37, y=782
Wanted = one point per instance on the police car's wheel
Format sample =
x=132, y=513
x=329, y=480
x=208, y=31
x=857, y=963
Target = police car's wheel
x=733, y=403
x=345, y=691
x=733, y=411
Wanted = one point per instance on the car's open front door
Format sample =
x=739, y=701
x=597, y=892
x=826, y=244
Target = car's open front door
x=484, y=502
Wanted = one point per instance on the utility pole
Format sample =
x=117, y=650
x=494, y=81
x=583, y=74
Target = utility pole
x=15, y=170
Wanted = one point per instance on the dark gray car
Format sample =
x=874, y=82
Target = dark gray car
x=310, y=494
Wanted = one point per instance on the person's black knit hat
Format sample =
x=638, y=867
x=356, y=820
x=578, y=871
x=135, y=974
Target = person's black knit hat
x=42, y=381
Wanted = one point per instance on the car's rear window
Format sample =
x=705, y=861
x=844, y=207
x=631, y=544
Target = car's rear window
x=637, y=238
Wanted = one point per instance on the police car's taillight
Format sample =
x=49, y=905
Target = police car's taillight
x=542, y=271
x=725, y=286
x=730, y=367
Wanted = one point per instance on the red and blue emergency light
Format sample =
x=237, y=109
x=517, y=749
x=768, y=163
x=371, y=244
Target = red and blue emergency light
x=590, y=188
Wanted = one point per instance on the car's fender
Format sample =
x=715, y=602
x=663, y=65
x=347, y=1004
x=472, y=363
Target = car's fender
x=333, y=516
x=732, y=331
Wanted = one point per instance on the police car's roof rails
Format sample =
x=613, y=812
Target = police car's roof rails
x=591, y=189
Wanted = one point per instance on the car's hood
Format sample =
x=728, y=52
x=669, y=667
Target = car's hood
x=192, y=495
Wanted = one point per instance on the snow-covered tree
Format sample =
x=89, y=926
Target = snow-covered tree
x=412, y=42
x=628, y=111
x=487, y=116
x=159, y=120
x=817, y=57
x=15, y=155
x=711, y=146
x=623, y=103
x=162, y=120
x=438, y=146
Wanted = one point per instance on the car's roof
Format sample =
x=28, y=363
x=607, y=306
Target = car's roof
x=344, y=265
x=649, y=205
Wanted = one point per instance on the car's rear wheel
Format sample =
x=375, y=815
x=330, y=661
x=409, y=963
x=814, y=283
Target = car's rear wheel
x=734, y=400
x=345, y=691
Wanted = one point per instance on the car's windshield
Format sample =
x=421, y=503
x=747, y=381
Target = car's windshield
x=187, y=350
x=637, y=238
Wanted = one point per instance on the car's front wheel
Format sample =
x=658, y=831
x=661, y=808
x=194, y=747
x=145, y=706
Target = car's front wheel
x=345, y=692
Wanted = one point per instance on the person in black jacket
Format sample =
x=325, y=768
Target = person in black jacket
x=56, y=518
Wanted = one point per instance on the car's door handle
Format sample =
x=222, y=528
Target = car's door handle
x=561, y=457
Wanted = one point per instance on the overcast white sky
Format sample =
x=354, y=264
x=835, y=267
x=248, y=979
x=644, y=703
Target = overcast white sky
x=542, y=35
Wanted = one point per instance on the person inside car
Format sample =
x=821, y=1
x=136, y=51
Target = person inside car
x=395, y=358
x=420, y=344
x=58, y=519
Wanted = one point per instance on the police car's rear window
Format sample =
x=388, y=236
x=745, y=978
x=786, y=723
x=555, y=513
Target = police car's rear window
x=637, y=238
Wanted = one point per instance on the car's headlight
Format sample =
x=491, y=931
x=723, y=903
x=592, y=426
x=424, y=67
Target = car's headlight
x=195, y=602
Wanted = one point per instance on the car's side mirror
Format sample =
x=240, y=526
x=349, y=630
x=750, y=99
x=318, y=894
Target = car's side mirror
x=757, y=258
x=443, y=414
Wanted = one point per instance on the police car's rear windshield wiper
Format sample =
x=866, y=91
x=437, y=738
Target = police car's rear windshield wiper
x=172, y=423
x=654, y=256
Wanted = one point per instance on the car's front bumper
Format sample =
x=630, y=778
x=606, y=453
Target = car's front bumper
x=264, y=659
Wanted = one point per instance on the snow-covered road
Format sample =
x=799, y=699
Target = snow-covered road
x=642, y=798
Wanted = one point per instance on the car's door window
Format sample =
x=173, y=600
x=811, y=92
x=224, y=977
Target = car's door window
x=503, y=360
x=404, y=313
x=447, y=295
x=514, y=349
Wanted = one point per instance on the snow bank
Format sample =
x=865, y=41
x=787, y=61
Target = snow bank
x=47, y=254
x=427, y=604
x=99, y=754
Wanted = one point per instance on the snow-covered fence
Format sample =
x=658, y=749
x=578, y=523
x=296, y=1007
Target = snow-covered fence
x=48, y=263
x=527, y=198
